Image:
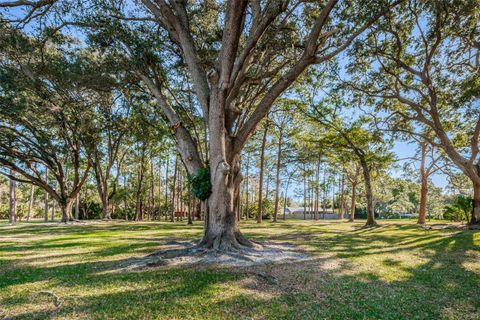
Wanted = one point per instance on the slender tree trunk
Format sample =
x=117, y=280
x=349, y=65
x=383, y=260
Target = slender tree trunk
x=138, y=195
x=246, y=187
x=369, y=194
x=286, y=195
x=12, y=208
x=180, y=193
x=317, y=184
x=190, y=212
x=166, y=190
x=260, y=181
x=333, y=194
x=341, y=206
x=277, y=176
x=46, y=197
x=305, y=196
x=424, y=185
x=54, y=204
x=172, y=214
x=353, y=203
x=423, y=199
x=159, y=189
x=30, y=202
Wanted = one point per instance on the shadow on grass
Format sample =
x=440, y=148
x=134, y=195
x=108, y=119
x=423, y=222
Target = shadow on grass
x=440, y=286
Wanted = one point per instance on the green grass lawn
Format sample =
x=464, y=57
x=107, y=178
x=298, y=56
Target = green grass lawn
x=396, y=271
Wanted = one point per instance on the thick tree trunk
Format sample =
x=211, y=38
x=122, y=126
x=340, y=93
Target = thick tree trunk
x=222, y=228
x=369, y=194
x=475, y=219
x=260, y=179
x=277, y=175
x=353, y=203
x=106, y=207
x=12, y=208
x=66, y=210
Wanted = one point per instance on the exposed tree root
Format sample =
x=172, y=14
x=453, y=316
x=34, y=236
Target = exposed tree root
x=371, y=224
x=226, y=242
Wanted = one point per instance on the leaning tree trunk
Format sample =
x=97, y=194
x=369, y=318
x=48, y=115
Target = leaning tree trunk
x=369, y=194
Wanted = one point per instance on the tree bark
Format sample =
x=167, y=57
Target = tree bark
x=277, y=177
x=260, y=179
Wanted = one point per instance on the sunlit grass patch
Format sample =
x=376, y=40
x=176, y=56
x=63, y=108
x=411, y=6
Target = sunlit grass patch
x=396, y=271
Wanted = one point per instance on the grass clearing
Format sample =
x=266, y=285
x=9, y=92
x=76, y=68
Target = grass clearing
x=396, y=271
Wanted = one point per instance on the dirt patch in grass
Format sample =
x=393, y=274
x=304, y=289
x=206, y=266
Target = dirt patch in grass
x=179, y=253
